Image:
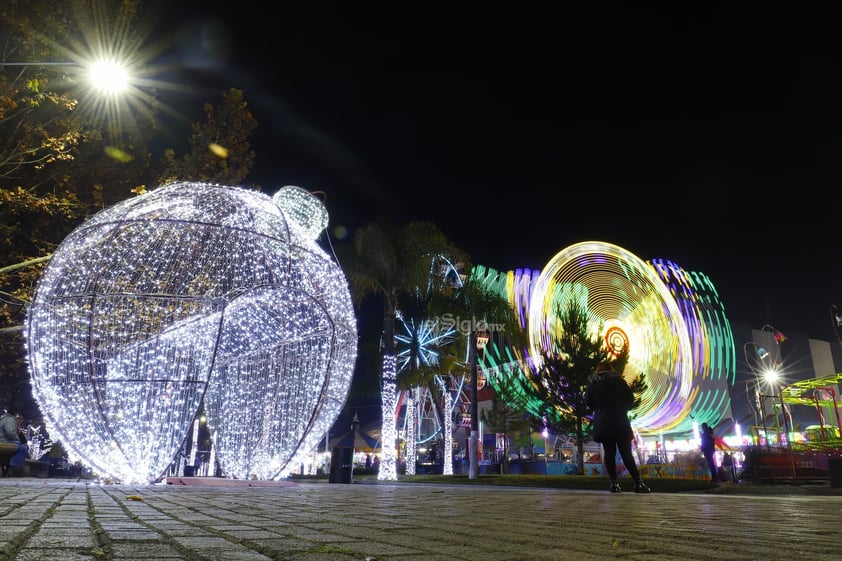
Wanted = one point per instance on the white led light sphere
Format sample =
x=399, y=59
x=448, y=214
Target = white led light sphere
x=192, y=291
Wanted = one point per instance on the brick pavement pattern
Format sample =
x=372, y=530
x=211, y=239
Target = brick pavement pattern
x=47, y=520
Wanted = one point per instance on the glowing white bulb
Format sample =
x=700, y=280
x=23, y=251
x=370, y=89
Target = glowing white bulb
x=109, y=77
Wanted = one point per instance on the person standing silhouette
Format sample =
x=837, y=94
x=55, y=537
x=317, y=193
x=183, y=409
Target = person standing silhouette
x=611, y=399
x=708, y=446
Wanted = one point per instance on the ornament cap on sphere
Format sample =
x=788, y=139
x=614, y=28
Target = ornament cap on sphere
x=303, y=208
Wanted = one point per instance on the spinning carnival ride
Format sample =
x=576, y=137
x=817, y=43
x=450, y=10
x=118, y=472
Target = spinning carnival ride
x=671, y=320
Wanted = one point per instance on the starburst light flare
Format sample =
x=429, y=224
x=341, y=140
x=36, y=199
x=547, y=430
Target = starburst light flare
x=192, y=291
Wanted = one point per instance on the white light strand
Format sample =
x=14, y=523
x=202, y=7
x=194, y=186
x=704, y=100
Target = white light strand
x=192, y=291
x=388, y=464
x=448, y=433
x=194, y=448
x=212, y=459
x=411, y=422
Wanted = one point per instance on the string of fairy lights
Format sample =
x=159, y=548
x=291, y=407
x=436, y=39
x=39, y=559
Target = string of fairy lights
x=189, y=294
x=388, y=394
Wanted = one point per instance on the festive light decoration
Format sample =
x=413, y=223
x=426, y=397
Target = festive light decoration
x=193, y=292
x=388, y=465
x=421, y=342
x=411, y=424
x=712, y=347
x=447, y=468
x=37, y=443
x=418, y=344
x=671, y=320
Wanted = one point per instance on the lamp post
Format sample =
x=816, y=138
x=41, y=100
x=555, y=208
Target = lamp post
x=480, y=340
x=762, y=358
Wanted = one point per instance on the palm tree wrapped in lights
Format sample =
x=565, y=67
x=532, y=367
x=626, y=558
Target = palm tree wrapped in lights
x=390, y=263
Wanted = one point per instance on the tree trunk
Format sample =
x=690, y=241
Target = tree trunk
x=580, y=447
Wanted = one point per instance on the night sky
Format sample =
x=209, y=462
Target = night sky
x=710, y=138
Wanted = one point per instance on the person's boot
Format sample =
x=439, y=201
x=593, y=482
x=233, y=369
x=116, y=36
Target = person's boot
x=640, y=487
x=615, y=487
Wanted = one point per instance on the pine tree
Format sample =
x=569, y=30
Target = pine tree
x=562, y=377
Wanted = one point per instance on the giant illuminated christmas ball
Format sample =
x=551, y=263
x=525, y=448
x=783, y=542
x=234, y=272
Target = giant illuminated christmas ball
x=193, y=291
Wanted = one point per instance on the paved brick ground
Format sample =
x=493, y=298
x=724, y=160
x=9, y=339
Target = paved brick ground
x=67, y=520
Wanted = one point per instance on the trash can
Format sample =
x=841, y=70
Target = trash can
x=189, y=471
x=834, y=466
x=341, y=465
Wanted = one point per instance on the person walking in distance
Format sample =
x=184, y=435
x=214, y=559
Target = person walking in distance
x=611, y=399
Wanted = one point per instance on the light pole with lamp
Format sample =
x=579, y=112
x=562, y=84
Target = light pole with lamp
x=755, y=359
x=762, y=356
x=479, y=341
x=763, y=359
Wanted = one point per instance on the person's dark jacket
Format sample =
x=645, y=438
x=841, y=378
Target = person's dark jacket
x=611, y=399
x=708, y=441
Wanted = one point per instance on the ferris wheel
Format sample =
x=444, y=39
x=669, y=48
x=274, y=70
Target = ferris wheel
x=419, y=344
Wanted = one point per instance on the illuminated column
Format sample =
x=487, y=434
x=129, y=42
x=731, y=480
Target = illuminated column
x=411, y=422
x=212, y=460
x=447, y=469
x=195, y=444
x=388, y=464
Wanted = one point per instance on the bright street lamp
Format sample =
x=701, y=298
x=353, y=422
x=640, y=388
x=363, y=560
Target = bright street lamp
x=764, y=362
x=105, y=76
x=109, y=77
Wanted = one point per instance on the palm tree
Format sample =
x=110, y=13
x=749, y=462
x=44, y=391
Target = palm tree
x=436, y=378
x=425, y=341
x=389, y=263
